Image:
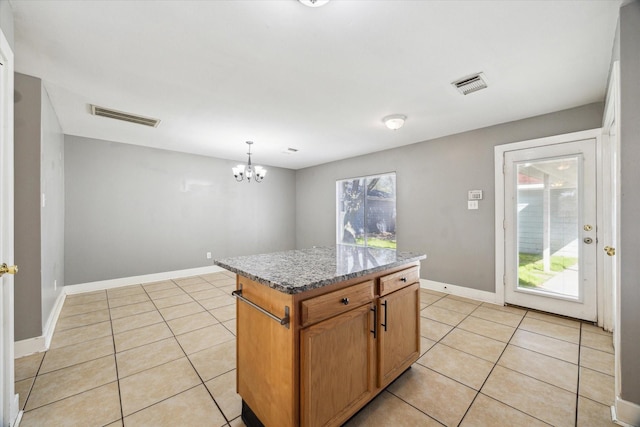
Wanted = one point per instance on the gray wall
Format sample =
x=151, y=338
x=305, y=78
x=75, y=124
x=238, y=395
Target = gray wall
x=27, y=122
x=52, y=214
x=629, y=48
x=39, y=238
x=133, y=210
x=433, y=178
x=6, y=21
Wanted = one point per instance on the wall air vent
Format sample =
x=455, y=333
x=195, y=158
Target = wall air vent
x=127, y=117
x=469, y=84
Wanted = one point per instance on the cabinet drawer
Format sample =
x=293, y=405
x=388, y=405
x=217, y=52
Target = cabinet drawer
x=319, y=308
x=393, y=282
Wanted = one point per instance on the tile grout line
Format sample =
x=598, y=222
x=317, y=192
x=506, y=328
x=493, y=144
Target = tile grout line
x=578, y=380
x=35, y=377
x=471, y=332
x=553, y=385
x=39, y=374
x=115, y=360
x=466, y=316
x=166, y=321
x=440, y=342
x=401, y=399
x=186, y=356
x=202, y=382
x=112, y=334
x=465, y=385
x=491, y=371
x=496, y=364
x=198, y=373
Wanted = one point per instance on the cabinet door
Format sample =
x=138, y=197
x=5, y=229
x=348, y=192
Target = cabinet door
x=398, y=332
x=337, y=367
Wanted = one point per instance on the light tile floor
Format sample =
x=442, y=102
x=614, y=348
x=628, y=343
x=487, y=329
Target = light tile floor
x=163, y=354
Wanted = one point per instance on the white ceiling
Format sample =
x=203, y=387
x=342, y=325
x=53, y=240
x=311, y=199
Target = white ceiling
x=218, y=73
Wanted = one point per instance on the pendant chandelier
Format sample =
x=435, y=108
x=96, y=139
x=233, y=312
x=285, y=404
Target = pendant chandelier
x=248, y=171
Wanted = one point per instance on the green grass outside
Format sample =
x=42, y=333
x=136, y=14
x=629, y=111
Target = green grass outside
x=377, y=243
x=531, y=273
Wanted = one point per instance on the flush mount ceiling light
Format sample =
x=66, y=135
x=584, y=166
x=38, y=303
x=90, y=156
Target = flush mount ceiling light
x=247, y=171
x=314, y=3
x=394, y=121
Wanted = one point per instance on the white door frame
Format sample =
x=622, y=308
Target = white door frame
x=499, y=152
x=611, y=124
x=10, y=405
x=611, y=195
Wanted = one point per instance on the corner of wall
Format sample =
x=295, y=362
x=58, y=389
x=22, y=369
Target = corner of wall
x=52, y=209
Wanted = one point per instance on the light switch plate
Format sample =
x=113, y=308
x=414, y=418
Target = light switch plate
x=472, y=204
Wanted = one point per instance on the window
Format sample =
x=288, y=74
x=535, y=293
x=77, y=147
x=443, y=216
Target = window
x=366, y=211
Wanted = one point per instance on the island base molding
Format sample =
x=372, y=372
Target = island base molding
x=248, y=417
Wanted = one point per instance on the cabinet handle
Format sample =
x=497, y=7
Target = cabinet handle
x=375, y=321
x=345, y=300
x=283, y=321
x=384, y=325
x=403, y=279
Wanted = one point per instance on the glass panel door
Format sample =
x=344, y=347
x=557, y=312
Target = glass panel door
x=548, y=214
x=550, y=233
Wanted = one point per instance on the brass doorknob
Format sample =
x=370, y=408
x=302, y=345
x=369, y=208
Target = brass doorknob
x=11, y=269
x=609, y=250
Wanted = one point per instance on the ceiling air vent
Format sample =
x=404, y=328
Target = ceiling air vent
x=469, y=84
x=127, y=117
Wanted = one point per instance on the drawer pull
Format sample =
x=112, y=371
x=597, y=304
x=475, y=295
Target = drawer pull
x=283, y=321
x=345, y=300
x=403, y=279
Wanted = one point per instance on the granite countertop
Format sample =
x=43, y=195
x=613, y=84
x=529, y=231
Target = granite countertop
x=296, y=271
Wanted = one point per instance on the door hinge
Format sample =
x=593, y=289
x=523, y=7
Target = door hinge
x=504, y=224
x=504, y=279
x=504, y=168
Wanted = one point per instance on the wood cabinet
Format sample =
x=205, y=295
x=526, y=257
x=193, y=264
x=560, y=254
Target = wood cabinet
x=337, y=367
x=344, y=344
x=399, y=336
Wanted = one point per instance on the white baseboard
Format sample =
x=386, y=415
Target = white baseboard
x=50, y=326
x=459, y=291
x=41, y=343
x=29, y=346
x=625, y=413
x=136, y=280
x=16, y=423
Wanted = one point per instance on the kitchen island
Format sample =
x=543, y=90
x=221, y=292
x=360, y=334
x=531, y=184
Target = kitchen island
x=322, y=331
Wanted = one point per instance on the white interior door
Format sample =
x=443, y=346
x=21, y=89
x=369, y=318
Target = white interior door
x=550, y=228
x=9, y=406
